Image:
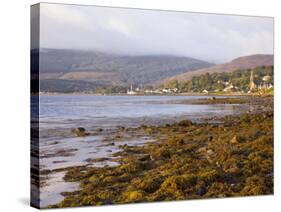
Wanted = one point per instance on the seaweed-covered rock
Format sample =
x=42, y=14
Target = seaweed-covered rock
x=99, y=130
x=201, y=191
x=80, y=131
x=133, y=196
x=162, y=153
x=186, y=161
x=254, y=185
x=149, y=184
x=184, y=123
x=236, y=139
x=145, y=157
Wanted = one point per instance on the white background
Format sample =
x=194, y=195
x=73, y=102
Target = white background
x=14, y=117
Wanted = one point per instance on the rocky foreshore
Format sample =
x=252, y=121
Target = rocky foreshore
x=232, y=156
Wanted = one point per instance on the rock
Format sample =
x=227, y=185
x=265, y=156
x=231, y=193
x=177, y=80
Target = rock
x=80, y=132
x=145, y=157
x=210, y=152
x=99, y=129
x=54, y=143
x=240, y=164
x=80, y=129
x=135, y=195
x=125, y=147
x=218, y=164
x=95, y=160
x=109, y=144
x=121, y=128
x=184, y=123
x=202, y=149
x=236, y=139
x=201, y=191
x=117, y=137
x=258, y=134
x=59, y=161
x=107, y=202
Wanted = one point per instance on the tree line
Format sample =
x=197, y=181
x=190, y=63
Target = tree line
x=219, y=81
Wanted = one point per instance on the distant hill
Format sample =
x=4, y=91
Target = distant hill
x=69, y=86
x=113, y=69
x=246, y=62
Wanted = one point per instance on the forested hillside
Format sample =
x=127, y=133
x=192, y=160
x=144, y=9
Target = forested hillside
x=238, y=79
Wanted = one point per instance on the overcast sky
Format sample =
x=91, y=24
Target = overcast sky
x=211, y=37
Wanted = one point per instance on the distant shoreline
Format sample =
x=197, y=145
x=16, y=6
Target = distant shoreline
x=113, y=94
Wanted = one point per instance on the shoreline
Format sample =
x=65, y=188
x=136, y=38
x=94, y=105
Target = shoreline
x=123, y=94
x=206, y=145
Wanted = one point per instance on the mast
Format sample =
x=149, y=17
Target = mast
x=252, y=82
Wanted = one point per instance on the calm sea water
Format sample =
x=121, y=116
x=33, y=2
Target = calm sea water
x=105, y=111
x=59, y=114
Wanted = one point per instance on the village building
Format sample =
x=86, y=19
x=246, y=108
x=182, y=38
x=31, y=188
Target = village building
x=165, y=90
x=230, y=88
x=223, y=82
x=266, y=82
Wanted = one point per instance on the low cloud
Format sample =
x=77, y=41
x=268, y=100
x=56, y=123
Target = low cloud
x=211, y=37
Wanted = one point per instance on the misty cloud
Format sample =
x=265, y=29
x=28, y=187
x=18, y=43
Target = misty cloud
x=209, y=37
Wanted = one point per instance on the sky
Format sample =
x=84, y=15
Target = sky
x=211, y=37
